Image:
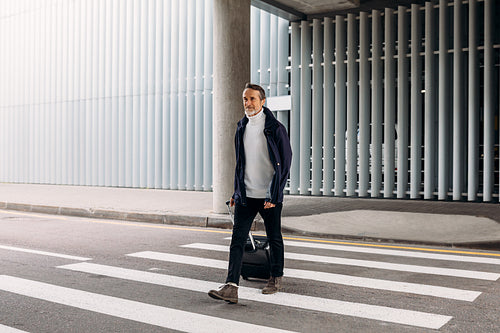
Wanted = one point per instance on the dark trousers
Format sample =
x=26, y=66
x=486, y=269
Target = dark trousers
x=243, y=219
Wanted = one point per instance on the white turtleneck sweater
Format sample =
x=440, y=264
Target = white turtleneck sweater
x=258, y=168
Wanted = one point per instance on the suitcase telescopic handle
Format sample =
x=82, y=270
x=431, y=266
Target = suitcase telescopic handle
x=232, y=220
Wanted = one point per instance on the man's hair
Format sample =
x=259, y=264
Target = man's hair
x=258, y=88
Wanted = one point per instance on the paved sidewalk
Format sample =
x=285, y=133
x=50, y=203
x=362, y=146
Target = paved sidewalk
x=387, y=220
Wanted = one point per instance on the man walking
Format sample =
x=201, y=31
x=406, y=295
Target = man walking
x=263, y=158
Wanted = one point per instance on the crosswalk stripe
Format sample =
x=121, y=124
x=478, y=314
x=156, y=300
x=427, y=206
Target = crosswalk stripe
x=44, y=253
x=180, y=259
x=415, y=252
x=127, y=309
x=370, y=264
x=387, y=314
x=8, y=329
x=418, y=289
x=411, y=254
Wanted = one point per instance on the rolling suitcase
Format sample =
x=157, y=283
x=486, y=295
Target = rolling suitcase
x=256, y=255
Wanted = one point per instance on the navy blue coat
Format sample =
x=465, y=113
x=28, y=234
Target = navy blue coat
x=280, y=153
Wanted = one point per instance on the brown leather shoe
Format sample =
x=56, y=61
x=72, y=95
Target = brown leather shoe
x=226, y=293
x=273, y=285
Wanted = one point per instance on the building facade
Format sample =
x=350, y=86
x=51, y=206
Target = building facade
x=393, y=102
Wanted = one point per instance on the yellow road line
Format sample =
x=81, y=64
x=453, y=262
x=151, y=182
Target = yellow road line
x=33, y=214
x=161, y=226
x=307, y=239
x=393, y=246
x=155, y=226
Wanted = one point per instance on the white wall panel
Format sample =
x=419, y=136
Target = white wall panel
x=389, y=104
x=364, y=105
x=458, y=102
x=150, y=129
x=340, y=104
x=113, y=169
x=352, y=137
x=443, y=102
x=405, y=112
x=295, y=79
x=416, y=114
x=403, y=115
x=174, y=92
x=264, y=51
x=489, y=104
x=119, y=93
x=377, y=105
x=129, y=79
x=190, y=95
x=198, y=98
x=158, y=97
x=473, y=106
x=305, y=107
x=317, y=109
x=328, y=107
x=143, y=91
x=207, y=97
x=121, y=90
x=182, y=111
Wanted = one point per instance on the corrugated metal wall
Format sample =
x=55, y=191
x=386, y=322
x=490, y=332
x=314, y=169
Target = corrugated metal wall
x=269, y=56
x=395, y=103
x=113, y=93
x=116, y=92
x=398, y=103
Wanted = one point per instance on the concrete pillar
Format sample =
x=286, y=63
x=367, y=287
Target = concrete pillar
x=231, y=72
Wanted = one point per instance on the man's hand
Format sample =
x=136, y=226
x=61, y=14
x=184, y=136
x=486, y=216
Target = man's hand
x=268, y=205
x=231, y=202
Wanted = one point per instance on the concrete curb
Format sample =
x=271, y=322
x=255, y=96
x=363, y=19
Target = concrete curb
x=207, y=221
x=213, y=221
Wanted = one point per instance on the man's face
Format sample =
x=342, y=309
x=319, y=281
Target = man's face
x=252, y=102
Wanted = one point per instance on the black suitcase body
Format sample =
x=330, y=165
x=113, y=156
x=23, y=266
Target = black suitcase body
x=256, y=261
x=256, y=255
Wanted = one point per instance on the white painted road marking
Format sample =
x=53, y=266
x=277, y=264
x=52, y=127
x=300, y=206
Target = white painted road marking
x=180, y=259
x=414, y=288
x=131, y=310
x=44, y=253
x=411, y=254
x=7, y=329
x=387, y=314
x=370, y=264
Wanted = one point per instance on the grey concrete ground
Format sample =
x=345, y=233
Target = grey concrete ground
x=327, y=287
x=388, y=220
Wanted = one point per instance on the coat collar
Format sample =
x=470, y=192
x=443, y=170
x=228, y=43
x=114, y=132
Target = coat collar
x=271, y=121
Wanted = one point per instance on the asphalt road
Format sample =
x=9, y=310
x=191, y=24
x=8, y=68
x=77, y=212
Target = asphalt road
x=66, y=274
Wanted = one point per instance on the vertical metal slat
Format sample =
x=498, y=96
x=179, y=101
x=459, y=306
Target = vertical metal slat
x=328, y=107
x=389, y=106
x=364, y=104
x=352, y=106
x=416, y=103
x=444, y=103
x=402, y=105
x=473, y=107
x=489, y=107
x=305, y=108
x=340, y=104
x=377, y=104
x=430, y=103
x=317, y=109
x=458, y=102
x=295, y=111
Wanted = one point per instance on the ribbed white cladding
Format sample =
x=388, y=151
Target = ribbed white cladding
x=116, y=92
x=119, y=93
x=393, y=92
